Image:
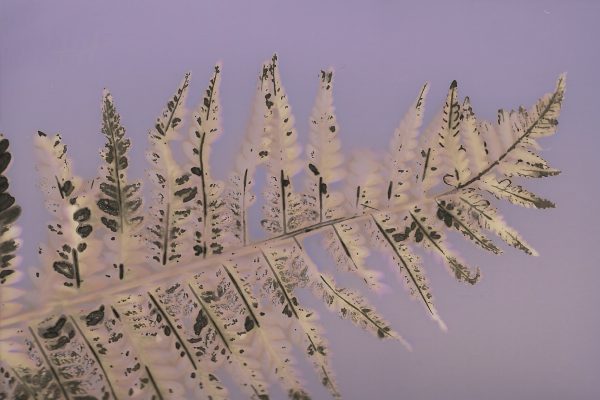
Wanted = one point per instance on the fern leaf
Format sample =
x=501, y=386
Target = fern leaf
x=169, y=209
x=70, y=358
x=349, y=249
x=442, y=152
x=9, y=239
x=115, y=352
x=487, y=217
x=323, y=153
x=453, y=216
x=24, y=356
x=253, y=151
x=540, y=121
x=270, y=331
x=387, y=235
x=403, y=149
x=429, y=234
x=70, y=256
x=279, y=283
x=204, y=190
x=170, y=362
x=284, y=209
x=458, y=170
x=474, y=143
x=344, y=302
x=365, y=183
x=120, y=201
x=505, y=189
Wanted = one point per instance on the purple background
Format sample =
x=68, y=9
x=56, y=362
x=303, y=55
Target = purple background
x=531, y=328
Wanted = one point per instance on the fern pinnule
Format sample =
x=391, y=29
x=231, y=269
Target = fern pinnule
x=475, y=145
x=69, y=258
x=203, y=190
x=265, y=331
x=279, y=284
x=486, y=216
x=284, y=209
x=166, y=357
x=324, y=154
x=119, y=200
x=225, y=310
x=25, y=360
x=429, y=233
x=115, y=352
x=386, y=234
x=403, y=152
x=254, y=150
x=171, y=193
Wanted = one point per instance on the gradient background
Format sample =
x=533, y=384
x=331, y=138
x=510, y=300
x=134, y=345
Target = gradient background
x=531, y=328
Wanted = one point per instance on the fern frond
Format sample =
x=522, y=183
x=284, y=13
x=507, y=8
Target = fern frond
x=24, y=359
x=480, y=210
x=505, y=189
x=115, y=352
x=454, y=216
x=386, y=235
x=69, y=258
x=269, y=336
x=284, y=209
x=69, y=357
x=204, y=190
x=167, y=357
x=349, y=248
x=171, y=192
x=323, y=153
x=429, y=234
x=540, y=121
x=170, y=333
x=282, y=276
x=120, y=200
x=10, y=276
x=253, y=151
x=403, y=151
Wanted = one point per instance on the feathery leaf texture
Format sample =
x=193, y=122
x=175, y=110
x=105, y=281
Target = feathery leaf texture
x=119, y=201
x=160, y=304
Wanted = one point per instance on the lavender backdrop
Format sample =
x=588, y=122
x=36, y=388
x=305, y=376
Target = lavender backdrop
x=530, y=329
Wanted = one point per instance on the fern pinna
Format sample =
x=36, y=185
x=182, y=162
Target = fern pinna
x=163, y=302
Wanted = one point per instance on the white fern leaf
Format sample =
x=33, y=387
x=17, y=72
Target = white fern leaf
x=277, y=358
x=171, y=192
x=207, y=213
x=505, y=189
x=386, y=235
x=323, y=153
x=458, y=169
x=27, y=361
x=487, y=217
x=364, y=185
x=239, y=195
x=69, y=356
x=454, y=216
x=540, y=121
x=70, y=256
x=171, y=364
x=278, y=283
x=119, y=200
x=284, y=209
x=403, y=151
x=349, y=248
x=115, y=353
x=426, y=230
